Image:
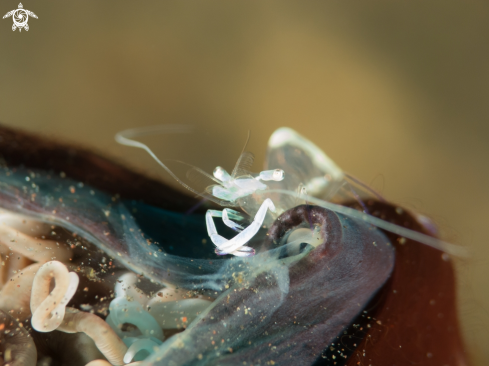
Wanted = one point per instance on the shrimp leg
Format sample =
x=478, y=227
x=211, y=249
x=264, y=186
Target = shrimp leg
x=236, y=245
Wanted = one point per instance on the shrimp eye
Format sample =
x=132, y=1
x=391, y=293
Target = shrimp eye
x=221, y=174
x=278, y=175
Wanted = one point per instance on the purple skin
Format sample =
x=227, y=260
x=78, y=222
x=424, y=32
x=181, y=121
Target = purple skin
x=328, y=288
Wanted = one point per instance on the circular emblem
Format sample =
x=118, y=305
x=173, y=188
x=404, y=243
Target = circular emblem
x=20, y=18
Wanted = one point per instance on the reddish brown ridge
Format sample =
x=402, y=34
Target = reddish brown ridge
x=415, y=312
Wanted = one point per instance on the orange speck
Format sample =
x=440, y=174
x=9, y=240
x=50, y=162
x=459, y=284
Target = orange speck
x=184, y=319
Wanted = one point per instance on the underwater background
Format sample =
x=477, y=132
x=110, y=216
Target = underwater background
x=395, y=93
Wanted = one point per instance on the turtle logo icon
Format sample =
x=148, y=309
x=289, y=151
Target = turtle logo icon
x=20, y=17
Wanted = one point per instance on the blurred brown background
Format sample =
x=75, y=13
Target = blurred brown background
x=395, y=92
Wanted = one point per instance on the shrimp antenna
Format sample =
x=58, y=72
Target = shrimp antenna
x=246, y=143
x=126, y=138
x=242, y=158
x=382, y=224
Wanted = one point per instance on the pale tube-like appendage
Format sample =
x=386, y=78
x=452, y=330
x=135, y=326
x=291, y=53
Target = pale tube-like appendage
x=3, y=270
x=150, y=345
x=126, y=287
x=15, y=263
x=105, y=363
x=106, y=340
x=11, y=264
x=38, y=250
x=48, y=309
x=123, y=311
x=23, y=223
x=15, y=296
x=98, y=363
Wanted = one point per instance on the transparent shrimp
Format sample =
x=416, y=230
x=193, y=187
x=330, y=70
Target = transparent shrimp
x=297, y=172
x=227, y=190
